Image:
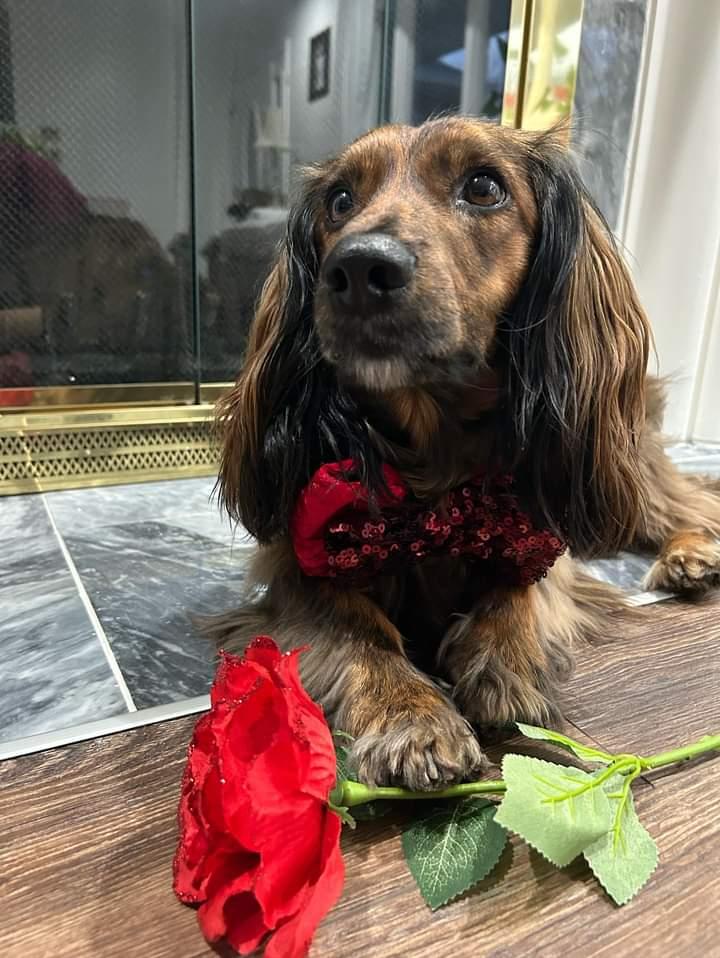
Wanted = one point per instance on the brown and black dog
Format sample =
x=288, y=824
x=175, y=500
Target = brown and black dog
x=447, y=300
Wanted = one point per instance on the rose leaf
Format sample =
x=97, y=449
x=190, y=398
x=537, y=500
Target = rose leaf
x=452, y=848
x=557, y=809
x=584, y=752
x=624, y=858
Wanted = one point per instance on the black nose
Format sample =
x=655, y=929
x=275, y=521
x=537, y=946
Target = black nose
x=366, y=271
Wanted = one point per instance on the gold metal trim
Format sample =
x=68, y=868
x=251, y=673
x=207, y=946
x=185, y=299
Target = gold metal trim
x=122, y=394
x=98, y=418
x=516, y=62
x=45, y=451
x=211, y=392
x=25, y=487
x=542, y=61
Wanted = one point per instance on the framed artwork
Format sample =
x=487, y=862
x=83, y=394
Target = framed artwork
x=320, y=65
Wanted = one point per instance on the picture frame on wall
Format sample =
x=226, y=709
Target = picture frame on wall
x=320, y=65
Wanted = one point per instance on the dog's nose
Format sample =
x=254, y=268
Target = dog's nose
x=364, y=271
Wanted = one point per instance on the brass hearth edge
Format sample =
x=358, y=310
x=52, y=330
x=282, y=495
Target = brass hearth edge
x=74, y=448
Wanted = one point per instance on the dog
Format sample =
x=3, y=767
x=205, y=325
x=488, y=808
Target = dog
x=449, y=304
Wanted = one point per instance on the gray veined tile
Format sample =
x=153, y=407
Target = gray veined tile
x=53, y=671
x=146, y=580
x=25, y=534
x=626, y=570
x=701, y=465
x=86, y=509
x=22, y=517
x=679, y=451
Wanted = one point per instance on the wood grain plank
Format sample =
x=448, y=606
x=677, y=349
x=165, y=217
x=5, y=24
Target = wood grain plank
x=88, y=833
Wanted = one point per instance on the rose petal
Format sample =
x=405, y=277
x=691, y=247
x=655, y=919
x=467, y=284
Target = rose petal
x=289, y=861
x=235, y=679
x=293, y=938
x=310, y=727
x=265, y=652
x=245, y=925
x=212, y=915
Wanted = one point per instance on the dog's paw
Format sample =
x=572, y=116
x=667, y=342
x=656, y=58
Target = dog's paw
x=419, y=754
x=493, y=695
x=690, y=562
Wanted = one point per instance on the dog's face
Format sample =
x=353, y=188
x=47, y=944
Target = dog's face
x=455, y=253
x=424, y=237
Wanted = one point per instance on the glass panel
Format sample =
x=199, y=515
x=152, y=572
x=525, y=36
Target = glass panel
x=93, y=194
x=278, y=84
x=610, y=54
x=448, y=55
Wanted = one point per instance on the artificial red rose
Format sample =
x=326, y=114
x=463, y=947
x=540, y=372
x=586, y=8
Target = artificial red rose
x=259, y=846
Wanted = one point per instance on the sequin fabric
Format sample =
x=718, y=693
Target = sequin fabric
x=335, y=533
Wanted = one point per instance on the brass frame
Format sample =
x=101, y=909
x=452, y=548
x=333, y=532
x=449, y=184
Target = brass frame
x=115, y=394
x=532, y=56
x=521, y=12
x=104, y=447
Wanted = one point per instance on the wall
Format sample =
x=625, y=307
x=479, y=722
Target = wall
x=672, y=216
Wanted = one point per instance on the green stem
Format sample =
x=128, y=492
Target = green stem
x=353, y=793
x=707, y=743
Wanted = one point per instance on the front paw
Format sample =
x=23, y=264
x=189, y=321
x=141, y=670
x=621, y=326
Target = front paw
x=419, y=753
x=689, y=563
x=494, y=695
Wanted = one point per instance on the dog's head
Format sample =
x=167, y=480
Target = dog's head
x=432, y=256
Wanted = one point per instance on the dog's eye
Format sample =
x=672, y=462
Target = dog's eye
x=481, y=189
x=339, y=204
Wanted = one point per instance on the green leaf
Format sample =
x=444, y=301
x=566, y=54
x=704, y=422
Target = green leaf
x=558, y=810
x=625, y=857
x=584, y=752
x=452, y=848
x=341, y=759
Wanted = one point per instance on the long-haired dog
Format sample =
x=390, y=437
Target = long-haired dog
x=449, y=301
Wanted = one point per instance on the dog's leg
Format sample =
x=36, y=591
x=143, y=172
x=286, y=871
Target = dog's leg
x=406, y=731
x=680, y=519
x=509, y=657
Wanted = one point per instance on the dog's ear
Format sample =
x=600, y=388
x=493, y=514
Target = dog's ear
x=578, y=342
x=286, y=413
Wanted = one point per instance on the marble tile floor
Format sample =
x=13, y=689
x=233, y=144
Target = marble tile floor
x=98, y=588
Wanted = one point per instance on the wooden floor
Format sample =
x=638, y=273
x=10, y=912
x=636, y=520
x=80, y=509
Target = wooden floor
x=88, y=834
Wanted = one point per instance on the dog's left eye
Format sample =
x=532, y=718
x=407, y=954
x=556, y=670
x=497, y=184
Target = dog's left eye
x=339, y=204
x=482, y=189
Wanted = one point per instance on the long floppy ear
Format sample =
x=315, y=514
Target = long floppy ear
x=286, y=412
x=578, y=342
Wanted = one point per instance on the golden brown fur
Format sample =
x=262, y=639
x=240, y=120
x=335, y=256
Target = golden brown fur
x=515, y=341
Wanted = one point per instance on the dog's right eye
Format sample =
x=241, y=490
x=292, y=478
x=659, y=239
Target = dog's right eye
x=339, y=204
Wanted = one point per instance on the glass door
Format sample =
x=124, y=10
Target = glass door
x=94, y=220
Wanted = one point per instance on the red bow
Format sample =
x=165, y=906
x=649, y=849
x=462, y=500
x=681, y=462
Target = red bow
x=336, y=534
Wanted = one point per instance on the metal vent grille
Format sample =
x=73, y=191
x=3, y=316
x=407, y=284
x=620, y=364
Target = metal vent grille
x=38, y=460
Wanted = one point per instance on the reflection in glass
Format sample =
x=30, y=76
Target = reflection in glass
x=289, y=83
x=448, y=55
x=278, y=86
x=93, y=188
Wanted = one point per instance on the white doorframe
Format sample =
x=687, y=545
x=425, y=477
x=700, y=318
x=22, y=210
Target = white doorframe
x=670, y=224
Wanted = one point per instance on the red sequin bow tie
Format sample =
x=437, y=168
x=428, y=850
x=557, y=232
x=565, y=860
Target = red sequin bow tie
x=335, y=535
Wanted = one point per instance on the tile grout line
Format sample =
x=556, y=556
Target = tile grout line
x=92, y=614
